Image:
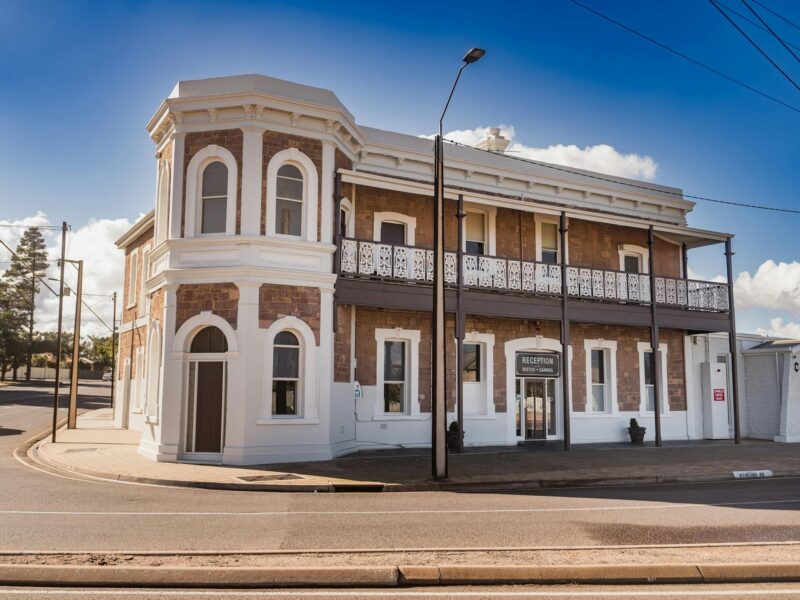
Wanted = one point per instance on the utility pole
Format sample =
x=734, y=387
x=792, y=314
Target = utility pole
x=58, y=334
x=113, y=347
x=29, y=358
x=72, y=415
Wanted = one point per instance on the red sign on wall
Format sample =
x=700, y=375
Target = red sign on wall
x=719, y=395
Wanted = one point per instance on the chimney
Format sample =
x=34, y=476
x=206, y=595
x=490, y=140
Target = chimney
x=495, y=142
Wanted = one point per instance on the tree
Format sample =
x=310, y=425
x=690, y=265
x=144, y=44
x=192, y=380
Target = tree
x=12, y=346
x=100, y=352
x=27, y=266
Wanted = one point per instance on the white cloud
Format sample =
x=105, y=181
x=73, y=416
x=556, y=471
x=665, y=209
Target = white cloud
x=103, y=269
x=774, y=286
x=601, y=158
x=779, y=328
x=692, y=274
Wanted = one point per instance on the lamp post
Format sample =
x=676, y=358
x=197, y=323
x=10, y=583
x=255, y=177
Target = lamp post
x=438, y=400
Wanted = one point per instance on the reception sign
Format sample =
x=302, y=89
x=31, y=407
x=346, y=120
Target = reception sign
x=538, y=364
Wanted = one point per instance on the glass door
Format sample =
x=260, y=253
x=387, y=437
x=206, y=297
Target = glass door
x=535, y=409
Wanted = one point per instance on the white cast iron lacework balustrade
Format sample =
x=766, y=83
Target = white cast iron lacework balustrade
x=376, y=260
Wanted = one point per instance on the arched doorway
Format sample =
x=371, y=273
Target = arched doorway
x=206, y=385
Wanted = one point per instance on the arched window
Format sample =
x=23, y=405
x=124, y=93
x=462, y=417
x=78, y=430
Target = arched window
x=289, y=201
x=214, y=198
x=209, y=339
x=285, y=374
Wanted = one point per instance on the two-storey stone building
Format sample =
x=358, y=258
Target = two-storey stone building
x=278, y=298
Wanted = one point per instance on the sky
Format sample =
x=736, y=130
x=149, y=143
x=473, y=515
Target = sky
x=81, y=80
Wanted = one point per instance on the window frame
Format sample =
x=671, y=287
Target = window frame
x=133, y=278
x=539, y=220
x=412, y=339
x=194, y=190
x=308, y=225
x=393, y=217
x=404, y=402
x=301, y=201
x=640, y=252
x=203, y=198
x=610, y=371
x=643, y=348
x=298, y=379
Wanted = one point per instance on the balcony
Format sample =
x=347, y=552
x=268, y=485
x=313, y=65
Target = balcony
x=361, y=259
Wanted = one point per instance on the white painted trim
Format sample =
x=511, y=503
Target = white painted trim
x=308, y=407
x=152, y=395
x=486, y=341
x=412, y=338
x=133, y=277
x=185, y=333
x=632, y=250
x=162, y=202
x=641, y=348
x=294, y=156
x=328, y=204
x=176, y=197
x=489, y=224
x=194, y=187
x=252, y=171
x=347, y=207
x=610, y=346
x=538, y=219
x=394, y=217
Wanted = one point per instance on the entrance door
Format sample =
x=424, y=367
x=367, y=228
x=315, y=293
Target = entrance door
x=208, y=407
x=536, y=408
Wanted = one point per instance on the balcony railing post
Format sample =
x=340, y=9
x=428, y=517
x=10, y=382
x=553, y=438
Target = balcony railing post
x=565, y=363
x=654, y=336
x=732, y=342
x=337, y=239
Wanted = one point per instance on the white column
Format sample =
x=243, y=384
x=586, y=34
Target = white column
x=325, y=361
x=252, y=153
x=245, y=378
x=176, y=195
x=165, y=441
x=328, y=168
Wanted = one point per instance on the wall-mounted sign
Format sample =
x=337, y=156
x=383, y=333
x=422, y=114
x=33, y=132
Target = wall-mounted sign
x=538, y=364
x=719, y=395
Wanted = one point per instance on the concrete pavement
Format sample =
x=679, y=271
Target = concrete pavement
x=96, y=449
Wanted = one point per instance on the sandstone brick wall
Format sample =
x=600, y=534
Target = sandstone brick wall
x=134, y=312
x=129, y=343
x=341, y=345
x=157, y=306
x=275, y=142
x=220, y=298
x=368, y=320
x=230, y=139
x=591, y=244
x=277, y=301
x=594, y=244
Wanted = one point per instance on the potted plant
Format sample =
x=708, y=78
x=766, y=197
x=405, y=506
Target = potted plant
x=453, y=436
x=636, y=432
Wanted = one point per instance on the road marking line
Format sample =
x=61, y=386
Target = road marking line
x=305, y=513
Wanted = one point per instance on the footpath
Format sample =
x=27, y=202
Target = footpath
x=96, y=449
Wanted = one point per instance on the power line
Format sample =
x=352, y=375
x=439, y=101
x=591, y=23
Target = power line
x=12, y=225
x=780, y=16
x=744, y=17
x=784, y=43
x=37, y=277
x=685, y=57
x=633, y=185
x=756, y=46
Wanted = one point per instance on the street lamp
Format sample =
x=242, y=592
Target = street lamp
x=438, y=400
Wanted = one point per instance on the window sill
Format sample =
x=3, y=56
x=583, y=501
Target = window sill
x=651, y=414
x=151, y=420
x=136, y=411
x=594, y=415
x=389, y=417
x=286, y=421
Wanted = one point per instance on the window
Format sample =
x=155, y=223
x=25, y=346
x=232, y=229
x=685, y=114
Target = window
x=394, y=377
x=472, y=363
x=214, y=198
x=475, y=233
x=632, y=263
x=289, y=201
x=285, y=374
x=209, y=339
x=134, y=275
x=649, y=382
x=393, y=233
x=343, y=214
x=599, y=377
x=549, y=241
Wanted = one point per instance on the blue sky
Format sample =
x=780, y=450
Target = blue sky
x=81, y=79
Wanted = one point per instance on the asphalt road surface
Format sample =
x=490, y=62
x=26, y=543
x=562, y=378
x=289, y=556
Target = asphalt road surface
x=674, y=592
x=41, y=511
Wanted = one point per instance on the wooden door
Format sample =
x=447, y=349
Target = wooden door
x=208, y=410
